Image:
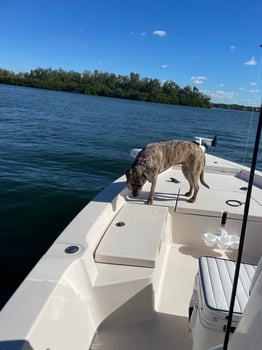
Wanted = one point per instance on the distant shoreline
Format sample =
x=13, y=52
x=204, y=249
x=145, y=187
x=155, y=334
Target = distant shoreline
x=235, y=107
x=111, y=85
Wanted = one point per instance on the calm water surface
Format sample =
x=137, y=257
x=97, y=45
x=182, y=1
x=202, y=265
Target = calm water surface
x=58, y=150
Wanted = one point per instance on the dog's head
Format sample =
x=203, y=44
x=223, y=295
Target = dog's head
x=136, y=177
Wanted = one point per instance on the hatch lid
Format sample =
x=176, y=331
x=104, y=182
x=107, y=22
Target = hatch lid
x=133, y=238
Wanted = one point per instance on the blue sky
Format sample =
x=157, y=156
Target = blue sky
x=213, y=45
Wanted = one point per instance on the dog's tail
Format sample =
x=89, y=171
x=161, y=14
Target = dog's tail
x=202, y=179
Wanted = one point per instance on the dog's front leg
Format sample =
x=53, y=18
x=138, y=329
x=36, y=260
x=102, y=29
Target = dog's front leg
x=152, y=190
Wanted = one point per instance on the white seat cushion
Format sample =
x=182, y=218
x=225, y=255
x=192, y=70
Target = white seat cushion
x=216, y=278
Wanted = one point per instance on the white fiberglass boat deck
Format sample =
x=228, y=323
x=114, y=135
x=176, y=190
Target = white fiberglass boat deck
x=122, y=274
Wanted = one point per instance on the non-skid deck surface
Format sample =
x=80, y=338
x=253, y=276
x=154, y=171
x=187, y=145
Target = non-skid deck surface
x=223, y=188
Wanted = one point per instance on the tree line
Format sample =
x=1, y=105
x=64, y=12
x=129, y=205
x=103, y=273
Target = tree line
x=236, y=106
x=98, y=83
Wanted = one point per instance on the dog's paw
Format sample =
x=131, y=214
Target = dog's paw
x=188, y=194
x=149, y=201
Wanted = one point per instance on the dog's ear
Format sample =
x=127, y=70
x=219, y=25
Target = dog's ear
x=128, y=174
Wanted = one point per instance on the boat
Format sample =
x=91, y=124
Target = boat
x=126, y=275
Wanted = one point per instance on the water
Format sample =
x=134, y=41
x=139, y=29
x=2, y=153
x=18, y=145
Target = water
x=58, y=150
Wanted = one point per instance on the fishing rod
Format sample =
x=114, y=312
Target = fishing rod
x=243, y=229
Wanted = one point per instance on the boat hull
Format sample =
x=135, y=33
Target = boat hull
x=121, y=274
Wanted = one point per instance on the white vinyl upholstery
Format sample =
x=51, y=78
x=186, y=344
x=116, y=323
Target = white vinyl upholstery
x=257, y=273
x=216, y=278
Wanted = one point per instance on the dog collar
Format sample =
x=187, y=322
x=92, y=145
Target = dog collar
x=142, y=161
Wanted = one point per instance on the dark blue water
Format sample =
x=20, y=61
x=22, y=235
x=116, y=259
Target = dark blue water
x=58, y=150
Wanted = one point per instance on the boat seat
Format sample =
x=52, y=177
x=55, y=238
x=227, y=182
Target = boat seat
x=216, y=280
x=211, y=298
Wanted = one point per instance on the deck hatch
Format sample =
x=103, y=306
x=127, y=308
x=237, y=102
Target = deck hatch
x=136, y=240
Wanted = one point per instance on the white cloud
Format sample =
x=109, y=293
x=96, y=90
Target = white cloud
x=232, y=48
x=224, y=94
x=198, y=80
x=164, y=65
x=251, y=62
x=246, y=100
x=253, y=83
x=241, y=88
x=221, y=85
x=220, y=95
x=160, y=33
x=143, y=34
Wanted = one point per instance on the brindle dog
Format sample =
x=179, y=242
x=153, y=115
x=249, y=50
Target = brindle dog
x=159, y=156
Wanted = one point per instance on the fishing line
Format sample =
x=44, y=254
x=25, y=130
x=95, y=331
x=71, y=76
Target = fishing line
x=252, y=114
x=248, y=136
x=243, y=229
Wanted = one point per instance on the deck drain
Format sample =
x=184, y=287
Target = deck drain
x=120, y=223
x=72, y=249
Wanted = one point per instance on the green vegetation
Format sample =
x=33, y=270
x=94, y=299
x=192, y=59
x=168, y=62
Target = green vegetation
x=108, y=84
x=235, y=106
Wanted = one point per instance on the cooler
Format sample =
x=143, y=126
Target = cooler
x=211, y=297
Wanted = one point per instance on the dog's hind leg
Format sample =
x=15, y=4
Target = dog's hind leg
x=186, y=172
x=192, y=175
x=202, y=179
x=196, y=189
